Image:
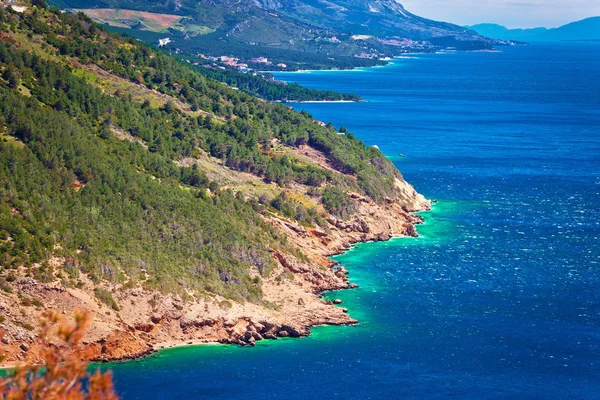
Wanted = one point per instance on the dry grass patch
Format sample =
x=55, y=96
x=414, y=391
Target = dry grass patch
x=133, y=19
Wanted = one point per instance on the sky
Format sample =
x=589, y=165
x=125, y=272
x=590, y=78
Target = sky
x=510, y=13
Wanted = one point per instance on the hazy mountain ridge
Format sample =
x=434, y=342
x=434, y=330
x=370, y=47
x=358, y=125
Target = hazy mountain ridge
x=586, y=29
x=381, y=18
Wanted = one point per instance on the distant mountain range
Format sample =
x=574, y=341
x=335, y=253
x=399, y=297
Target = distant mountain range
x=333, y=28
x=587, y=29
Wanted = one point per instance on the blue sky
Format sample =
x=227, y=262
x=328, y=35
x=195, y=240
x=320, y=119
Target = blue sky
x=511, y=13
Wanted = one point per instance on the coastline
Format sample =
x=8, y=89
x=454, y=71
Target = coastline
x=387, y=62
x=348, y=246
x=129, y=337
x=317, y=101
x=353, y=69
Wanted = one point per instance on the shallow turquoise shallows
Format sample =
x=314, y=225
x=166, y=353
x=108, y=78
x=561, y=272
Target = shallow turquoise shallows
x=500, y=296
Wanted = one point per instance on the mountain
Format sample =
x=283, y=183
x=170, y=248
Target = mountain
x=383, y=18
x=587, y=29
x=332, y=28
x=171, y=206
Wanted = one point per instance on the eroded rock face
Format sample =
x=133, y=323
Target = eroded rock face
x=358, y=224
x=411, y=231
x=144, y=327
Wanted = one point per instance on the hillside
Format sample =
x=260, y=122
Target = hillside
x=301, y=33
x=587, y=29
x=173, y=207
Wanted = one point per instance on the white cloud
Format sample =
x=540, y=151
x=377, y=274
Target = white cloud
x=512, y=13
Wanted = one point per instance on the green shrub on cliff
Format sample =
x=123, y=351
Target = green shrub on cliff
x=106, y=298
x=338, y=202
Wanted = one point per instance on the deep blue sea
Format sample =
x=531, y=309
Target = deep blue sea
x=500, y=296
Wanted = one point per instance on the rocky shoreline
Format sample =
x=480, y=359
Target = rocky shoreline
x=147, y=322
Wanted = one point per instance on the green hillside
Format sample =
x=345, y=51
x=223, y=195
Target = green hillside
x=107, y=152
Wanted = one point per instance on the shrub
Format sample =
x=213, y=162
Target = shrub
x=338, y=202
x=106, y=297
x=62, y=376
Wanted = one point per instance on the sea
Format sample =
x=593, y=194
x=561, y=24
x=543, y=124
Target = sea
x=499, y=296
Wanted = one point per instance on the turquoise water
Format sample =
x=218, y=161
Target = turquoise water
x=500, y=296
